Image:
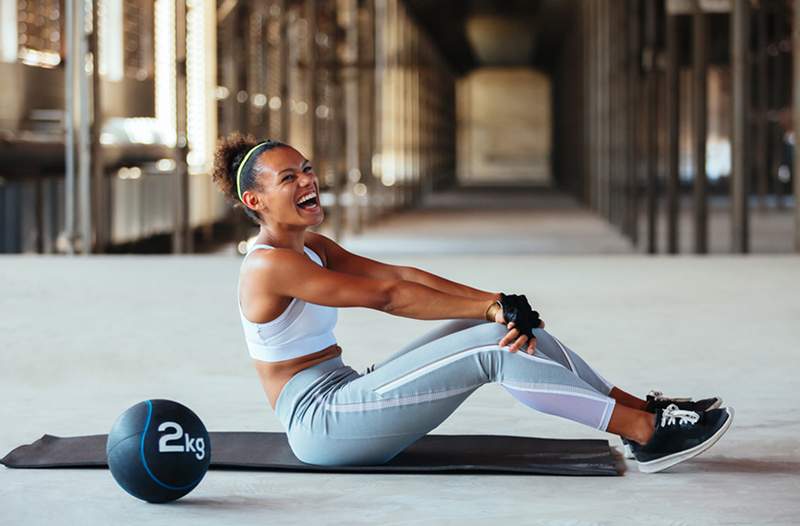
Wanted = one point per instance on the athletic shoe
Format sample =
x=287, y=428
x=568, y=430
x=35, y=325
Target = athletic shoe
x=656, y=400
x=680, y=435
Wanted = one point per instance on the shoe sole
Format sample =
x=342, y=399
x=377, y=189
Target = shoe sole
x=627, y=452
x=661, y=464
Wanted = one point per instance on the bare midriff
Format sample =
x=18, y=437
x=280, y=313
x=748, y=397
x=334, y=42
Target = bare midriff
x=275, y=375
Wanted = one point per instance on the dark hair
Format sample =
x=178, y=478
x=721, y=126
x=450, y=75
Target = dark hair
x=229, y=153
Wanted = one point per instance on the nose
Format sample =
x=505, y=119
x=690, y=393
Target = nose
x=307, y=178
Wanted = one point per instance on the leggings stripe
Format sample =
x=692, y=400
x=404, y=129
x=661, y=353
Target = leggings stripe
x=394, y=402
x=428, y=368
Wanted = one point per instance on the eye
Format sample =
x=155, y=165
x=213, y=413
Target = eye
x=286, y=177
x=307, y=168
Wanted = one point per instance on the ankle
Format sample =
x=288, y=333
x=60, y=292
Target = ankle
x=646, y=428
x=643, y=431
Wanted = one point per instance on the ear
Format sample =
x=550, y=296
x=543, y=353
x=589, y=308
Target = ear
x=251, y=200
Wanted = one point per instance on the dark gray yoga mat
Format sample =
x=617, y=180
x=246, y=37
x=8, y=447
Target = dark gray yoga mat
x=431, y=454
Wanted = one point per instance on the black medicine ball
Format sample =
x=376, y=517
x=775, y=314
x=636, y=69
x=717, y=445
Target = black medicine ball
x=158, y=450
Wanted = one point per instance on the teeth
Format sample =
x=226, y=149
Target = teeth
x=306, y=197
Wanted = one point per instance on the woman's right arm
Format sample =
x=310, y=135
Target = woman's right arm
x=285, y=272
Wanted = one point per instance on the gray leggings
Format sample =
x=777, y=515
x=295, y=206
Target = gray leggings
x=334, y=415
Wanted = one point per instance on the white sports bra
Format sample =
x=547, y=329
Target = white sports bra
x=303, y=328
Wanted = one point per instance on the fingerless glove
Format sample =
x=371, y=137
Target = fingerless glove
x=517, y=309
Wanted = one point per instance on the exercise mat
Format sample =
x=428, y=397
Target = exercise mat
x=431, y=454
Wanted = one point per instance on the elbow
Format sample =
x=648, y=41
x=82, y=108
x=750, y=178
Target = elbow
x=389, y=297
x=405, y=273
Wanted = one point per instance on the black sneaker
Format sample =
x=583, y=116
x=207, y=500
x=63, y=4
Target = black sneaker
x=656, y=400
x=680, y=435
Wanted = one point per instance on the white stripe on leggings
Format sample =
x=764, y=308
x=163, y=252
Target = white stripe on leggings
x=394, y=402
x=425, y=369
x=609, y=385
x=555, y=389
x=566, y=354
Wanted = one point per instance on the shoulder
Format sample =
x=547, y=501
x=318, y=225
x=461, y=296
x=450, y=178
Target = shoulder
x=263, y=263
x=320, y=244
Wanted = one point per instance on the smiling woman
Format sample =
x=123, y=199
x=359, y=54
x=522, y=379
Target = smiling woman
x=293, y=280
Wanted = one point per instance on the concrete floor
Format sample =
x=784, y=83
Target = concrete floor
x=540, y=221
x=85, y=338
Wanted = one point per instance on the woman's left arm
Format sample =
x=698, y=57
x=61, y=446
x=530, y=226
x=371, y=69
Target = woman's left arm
x=341, y=260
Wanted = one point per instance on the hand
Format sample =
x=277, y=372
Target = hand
x=518, y=340
x=498, y=318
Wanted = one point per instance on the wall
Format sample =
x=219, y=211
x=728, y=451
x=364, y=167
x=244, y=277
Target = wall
x=504, y=127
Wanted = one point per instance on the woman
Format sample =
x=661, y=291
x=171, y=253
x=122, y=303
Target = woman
x=291, y=282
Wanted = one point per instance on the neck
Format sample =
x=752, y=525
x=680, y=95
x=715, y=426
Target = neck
x=293, y=239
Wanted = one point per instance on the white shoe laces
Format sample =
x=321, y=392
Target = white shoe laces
x=672, y=415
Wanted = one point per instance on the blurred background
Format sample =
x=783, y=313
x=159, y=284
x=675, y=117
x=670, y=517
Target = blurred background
x=539, y=126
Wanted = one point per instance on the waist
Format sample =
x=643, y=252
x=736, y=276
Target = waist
x=286, y=350
x=305, y=380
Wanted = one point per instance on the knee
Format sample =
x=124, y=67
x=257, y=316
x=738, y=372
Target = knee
x=489, y=332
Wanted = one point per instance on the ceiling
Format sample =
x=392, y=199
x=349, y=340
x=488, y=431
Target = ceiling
x=477, y=33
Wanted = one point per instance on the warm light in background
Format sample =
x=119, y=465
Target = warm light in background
x=165, y=68
x=200, y=84
x=8, y=30
x=110, y=52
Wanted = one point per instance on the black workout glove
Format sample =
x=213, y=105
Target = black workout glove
x=517, y=309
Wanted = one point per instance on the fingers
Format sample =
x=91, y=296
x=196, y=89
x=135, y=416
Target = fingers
x=532, y=346
x=509, y=337
x=519, y=342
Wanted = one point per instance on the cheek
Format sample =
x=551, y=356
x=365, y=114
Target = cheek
x=283, y=199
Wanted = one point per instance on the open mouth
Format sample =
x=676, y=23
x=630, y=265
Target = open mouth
x=309, y=202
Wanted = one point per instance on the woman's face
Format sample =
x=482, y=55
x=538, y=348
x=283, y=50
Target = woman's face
x=289, y=189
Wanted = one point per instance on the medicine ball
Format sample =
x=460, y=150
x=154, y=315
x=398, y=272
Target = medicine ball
x=158, y=450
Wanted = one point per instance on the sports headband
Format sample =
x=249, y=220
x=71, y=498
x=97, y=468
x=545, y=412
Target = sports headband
x=249, y=156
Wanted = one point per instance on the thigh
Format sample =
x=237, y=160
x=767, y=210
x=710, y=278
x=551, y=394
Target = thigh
x=370, y=418
x=444, y=329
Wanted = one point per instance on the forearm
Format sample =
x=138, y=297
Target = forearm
x=446, y=286
x=415, y=300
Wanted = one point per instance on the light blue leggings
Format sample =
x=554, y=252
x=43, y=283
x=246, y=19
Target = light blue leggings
x=335, y=416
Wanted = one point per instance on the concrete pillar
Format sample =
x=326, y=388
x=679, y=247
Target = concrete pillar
x=651, y=120
x=699, y=127
x=350, y=79
x=740, y=116
x=796, y=119
x=84, y=137
x=71, y=52
x=311, y=80
x=284, y=69
x=100, y=197
x=632, y=104
x=762, y=125
x=672, y=93
x=181, y=234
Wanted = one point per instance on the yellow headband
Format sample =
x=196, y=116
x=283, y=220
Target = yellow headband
x=241, y=166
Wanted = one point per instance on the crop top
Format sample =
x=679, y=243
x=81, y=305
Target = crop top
x=302, y=328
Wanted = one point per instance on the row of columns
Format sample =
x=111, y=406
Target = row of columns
x=356, y=86
x=626, y=60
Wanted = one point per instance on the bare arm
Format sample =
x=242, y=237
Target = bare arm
x=341, y=260
x=283, y=272
x=416, y=296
